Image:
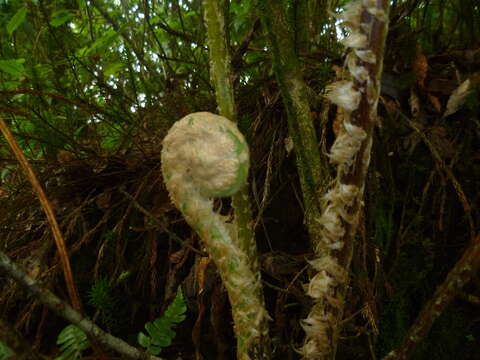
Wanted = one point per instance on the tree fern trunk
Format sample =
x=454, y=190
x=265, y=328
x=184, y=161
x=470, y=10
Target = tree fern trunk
x=312, y=168
x=357, y=95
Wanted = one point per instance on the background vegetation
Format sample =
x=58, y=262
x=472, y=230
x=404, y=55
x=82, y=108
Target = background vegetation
x=89, y=89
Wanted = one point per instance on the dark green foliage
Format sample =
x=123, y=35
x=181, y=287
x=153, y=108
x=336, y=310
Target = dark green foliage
x=17, y=20
x=5, y=351
x=101, y=297
x=160, y=332
x=411, y=281
x=449, y=334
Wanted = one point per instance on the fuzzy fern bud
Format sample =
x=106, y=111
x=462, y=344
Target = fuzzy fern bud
x=205, y=152
x=205, y=156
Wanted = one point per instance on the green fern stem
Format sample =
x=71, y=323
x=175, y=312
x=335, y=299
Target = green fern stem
x=221, y=78
x=311, y=166
x=205, y=156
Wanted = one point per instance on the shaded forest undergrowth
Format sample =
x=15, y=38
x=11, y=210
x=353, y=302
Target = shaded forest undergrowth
x=130, y=248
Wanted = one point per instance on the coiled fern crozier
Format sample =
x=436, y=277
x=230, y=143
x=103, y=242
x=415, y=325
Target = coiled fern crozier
x=205, y=156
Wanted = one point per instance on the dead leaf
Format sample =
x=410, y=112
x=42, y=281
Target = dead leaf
x=338, y=121
x=435, y=102
x=457, y=98
x=103, y=200
x=414, y=103
x=201, y=273
x=420, y=67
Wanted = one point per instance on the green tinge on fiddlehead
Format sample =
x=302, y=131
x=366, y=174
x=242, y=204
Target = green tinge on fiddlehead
x=205, y=156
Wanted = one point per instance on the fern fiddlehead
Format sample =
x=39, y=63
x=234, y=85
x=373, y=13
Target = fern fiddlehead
x=205, y=156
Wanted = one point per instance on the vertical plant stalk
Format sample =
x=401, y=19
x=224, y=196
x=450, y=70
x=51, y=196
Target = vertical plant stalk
x=47, y=208
x=357, y=96
x=205, y=156
x=221, y=77
x=220, y=59
x=462, y=272
x=312, y=168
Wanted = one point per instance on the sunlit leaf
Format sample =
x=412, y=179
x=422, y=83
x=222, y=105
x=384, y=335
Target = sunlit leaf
x=143, y=339
x=457, y=98
x=16, y=20
x=112, y=69
x=61, y=17
x=13, y=67
x=103, y=42
x=154, y=20
x=9, y=85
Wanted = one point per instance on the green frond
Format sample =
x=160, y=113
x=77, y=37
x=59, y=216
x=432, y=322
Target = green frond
x=72, y=341
x=160, y=332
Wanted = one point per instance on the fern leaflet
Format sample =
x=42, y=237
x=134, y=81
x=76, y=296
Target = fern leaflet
x=160, y=332
x=72, y=342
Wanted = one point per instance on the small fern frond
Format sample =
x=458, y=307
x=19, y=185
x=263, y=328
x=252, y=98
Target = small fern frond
x=176, y=310
x=160, y=332
x=72, y=342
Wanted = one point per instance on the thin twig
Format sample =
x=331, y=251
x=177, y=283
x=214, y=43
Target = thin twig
x=47, y=208
x=448, y=171
x=65, y=311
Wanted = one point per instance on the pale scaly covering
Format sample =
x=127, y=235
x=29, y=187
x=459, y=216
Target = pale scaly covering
x=205, y=156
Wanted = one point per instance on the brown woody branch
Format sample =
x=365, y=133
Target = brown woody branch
x=65, y=311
